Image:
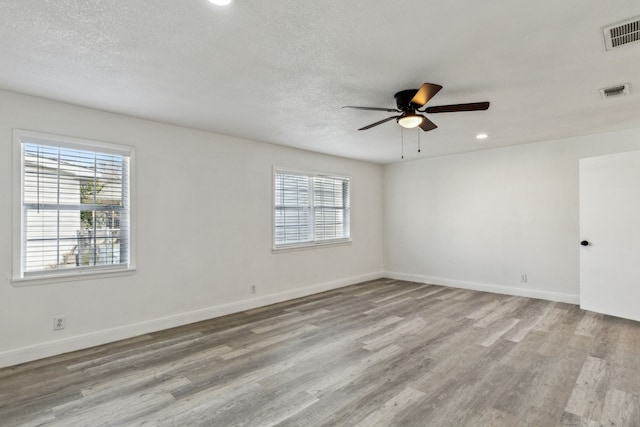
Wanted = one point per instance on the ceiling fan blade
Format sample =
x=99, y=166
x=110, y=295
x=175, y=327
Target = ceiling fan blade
x=427, y=124
x=473, y=106
x=378, y=123
x=390, y=110
x=424, y=94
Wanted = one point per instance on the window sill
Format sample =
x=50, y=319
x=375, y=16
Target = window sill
x=70, y=277
x=311, y=245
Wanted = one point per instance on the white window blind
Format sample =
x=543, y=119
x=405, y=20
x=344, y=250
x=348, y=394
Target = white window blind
x=310, y=209
x=75, y=208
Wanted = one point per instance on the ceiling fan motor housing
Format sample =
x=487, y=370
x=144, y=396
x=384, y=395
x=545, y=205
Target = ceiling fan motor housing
x=403, y=99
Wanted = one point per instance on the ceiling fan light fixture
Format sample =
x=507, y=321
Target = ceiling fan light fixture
x=410, y=121
x=410, y=101
x=482, y=136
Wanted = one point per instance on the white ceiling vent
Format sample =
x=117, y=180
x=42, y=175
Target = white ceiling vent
x=622, y=33
x=615, y=91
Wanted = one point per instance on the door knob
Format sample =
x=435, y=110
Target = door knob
x=585, y=243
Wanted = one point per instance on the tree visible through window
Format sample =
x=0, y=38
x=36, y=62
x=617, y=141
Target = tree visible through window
x=310, y=209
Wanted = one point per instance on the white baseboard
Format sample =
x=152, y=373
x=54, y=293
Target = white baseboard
x=496, y=289
x=79, y=342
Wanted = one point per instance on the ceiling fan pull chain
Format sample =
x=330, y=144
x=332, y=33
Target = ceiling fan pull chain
x=418, y=141
x=402, y=142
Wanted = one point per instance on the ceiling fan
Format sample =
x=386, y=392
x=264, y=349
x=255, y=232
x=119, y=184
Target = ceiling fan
x=409, y=103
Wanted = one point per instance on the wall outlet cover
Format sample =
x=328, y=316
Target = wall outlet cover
x=59, y=322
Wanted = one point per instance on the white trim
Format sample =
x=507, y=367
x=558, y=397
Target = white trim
x=63, y=141
x=21, y=137
x=305, y=172
x=72, y=275
x=17, y=231
x=484, y=287
x=52, y=348
x=302, y=246
x=288, y=247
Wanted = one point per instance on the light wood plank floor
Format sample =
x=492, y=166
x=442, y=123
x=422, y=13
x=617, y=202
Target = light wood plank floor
x=375, y=354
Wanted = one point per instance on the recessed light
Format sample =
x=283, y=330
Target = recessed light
x=220, y=2
x=482, y=136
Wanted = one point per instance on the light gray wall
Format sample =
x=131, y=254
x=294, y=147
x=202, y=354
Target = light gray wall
x=204, y=233
x=476, y=220
x=480, y=220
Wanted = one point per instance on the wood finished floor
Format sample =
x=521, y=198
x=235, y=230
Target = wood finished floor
x=375, y=354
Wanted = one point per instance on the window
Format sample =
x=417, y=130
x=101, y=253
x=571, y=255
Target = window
x=74, y=206
x=310, y=209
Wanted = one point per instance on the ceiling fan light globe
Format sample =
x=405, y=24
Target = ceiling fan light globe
x=410, y=121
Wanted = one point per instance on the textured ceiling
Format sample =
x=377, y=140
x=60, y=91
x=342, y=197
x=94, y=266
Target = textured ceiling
x=278, y=71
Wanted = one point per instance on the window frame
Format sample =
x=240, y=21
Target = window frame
x=19, y=278
x=314, y=243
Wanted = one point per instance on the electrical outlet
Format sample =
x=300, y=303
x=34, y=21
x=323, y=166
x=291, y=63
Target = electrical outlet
x=59, y=323
x=523, y=278
x=252, y=289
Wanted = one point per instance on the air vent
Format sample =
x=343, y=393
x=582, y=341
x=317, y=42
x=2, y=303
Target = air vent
x=615, y=91
x=622, y=33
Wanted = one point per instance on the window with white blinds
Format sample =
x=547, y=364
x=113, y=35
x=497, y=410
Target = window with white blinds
x=310, y=209
x=75, y=206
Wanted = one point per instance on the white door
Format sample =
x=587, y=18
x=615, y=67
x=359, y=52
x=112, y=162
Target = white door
x=610, y=223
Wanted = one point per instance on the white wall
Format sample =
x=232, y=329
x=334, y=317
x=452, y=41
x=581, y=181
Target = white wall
x=480, y=220
x=204, y=233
